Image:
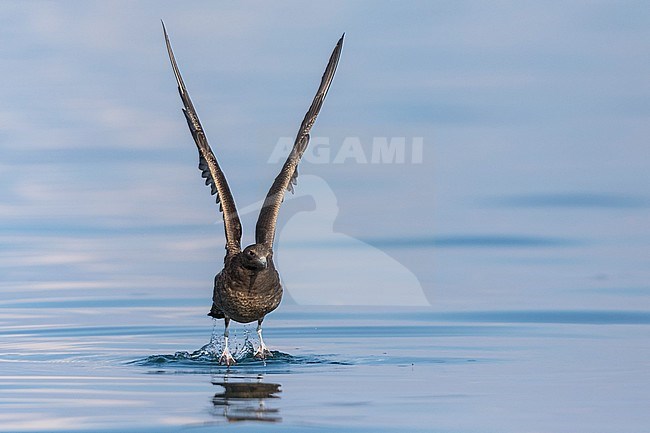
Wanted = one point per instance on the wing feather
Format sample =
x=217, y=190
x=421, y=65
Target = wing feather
x=208, y=164
x=288, y=177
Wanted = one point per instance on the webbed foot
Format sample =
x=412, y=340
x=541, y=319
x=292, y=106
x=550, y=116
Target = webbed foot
x=263, y=352
x=226, y=358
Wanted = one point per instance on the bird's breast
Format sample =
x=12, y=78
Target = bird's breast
x=246, y=296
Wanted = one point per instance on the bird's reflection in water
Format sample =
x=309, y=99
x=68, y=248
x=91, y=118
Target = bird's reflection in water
x=245, y=399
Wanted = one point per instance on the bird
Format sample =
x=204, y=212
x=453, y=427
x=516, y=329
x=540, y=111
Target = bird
x=248, y=287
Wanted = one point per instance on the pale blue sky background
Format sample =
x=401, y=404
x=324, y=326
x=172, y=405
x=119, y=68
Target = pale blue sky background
x=533, y=186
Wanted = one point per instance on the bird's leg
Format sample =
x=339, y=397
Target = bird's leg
x=262, y=352
x=226, y=358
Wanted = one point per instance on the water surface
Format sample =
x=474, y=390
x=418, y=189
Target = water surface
x=333, y=368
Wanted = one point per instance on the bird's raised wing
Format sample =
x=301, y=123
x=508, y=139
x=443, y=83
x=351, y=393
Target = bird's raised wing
x=265, y=229
x=208, y=163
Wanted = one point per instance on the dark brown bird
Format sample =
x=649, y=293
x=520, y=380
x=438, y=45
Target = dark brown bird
x=248, y=287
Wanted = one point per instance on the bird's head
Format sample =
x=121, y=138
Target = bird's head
x=256, y=257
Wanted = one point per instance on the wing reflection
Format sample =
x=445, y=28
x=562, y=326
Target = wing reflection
x=245, y=399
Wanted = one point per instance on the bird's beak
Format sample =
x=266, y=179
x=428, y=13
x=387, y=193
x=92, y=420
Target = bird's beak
x=262, y=262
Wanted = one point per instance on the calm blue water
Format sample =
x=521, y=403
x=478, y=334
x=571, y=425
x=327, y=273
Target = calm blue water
x=87, y=367
x=544, y=327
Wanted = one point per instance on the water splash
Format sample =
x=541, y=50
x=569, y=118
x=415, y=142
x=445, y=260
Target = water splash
x=208, y=355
